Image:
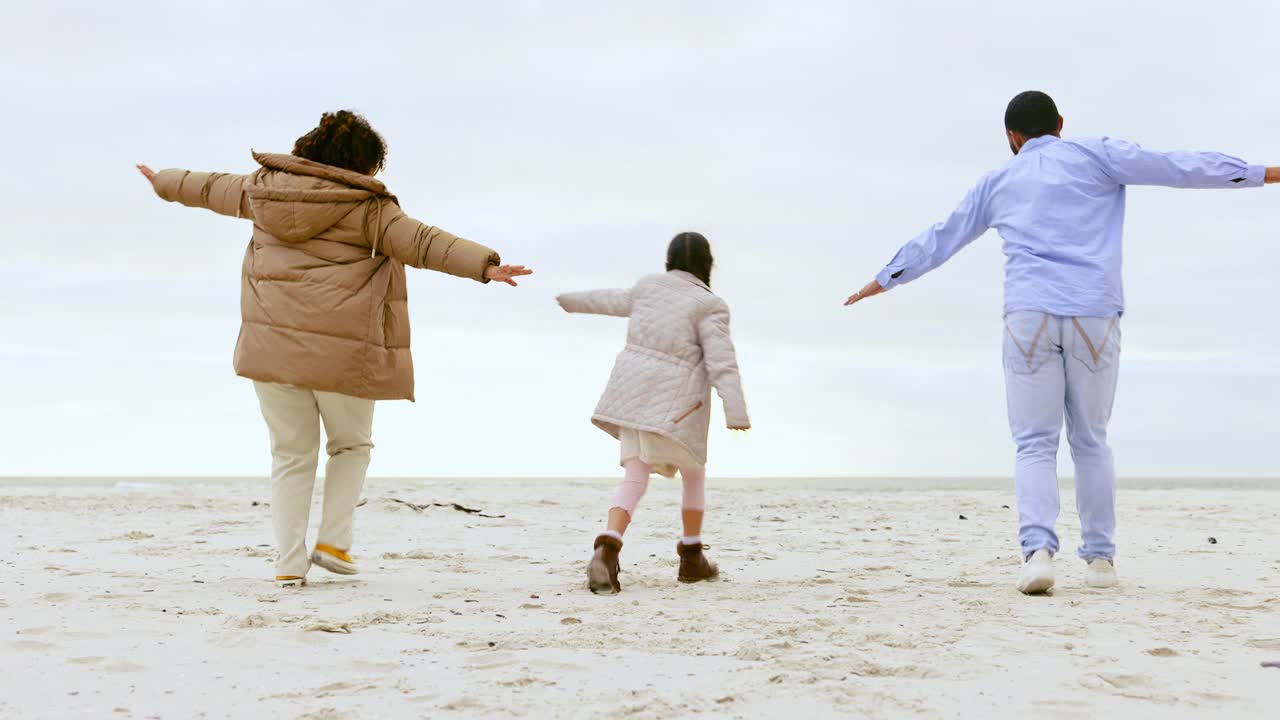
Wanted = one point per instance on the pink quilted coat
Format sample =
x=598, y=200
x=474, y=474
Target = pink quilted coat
x=678, y=348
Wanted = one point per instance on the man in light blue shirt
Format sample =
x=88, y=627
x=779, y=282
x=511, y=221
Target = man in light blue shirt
x=1059, y=208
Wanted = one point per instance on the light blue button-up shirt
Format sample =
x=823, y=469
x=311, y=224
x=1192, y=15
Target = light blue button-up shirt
x=1059, y=207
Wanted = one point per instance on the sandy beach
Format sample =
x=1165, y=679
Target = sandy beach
x=153, y=600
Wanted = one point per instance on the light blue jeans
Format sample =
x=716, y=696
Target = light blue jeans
x=1056, y=367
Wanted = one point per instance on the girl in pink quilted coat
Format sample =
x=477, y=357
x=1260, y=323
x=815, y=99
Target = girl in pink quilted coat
x=658, y=401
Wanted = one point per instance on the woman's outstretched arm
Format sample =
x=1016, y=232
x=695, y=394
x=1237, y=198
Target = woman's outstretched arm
x=424, y=246
x=219, y=192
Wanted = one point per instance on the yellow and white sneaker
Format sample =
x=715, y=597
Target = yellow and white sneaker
x=334, y=560
x=290, y=581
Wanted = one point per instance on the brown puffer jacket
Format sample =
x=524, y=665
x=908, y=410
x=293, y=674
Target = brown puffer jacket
x=323, y=298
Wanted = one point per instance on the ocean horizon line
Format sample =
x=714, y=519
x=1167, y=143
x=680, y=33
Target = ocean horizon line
x=815, y=482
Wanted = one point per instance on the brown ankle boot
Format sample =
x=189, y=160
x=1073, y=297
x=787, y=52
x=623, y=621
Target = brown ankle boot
x=694, y=566
x=602, y=571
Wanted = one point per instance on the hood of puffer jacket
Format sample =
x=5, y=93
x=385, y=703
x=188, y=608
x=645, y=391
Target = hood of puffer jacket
x=296, y=199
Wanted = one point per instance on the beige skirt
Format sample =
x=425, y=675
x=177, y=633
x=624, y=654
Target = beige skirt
x=664, y=454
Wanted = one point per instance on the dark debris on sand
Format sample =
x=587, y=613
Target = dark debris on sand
x=460, y=508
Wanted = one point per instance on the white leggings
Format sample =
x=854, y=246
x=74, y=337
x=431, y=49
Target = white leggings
x=635, y=482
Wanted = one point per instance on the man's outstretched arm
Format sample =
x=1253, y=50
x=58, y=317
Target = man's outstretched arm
x=934, y=246
x=1131, y=164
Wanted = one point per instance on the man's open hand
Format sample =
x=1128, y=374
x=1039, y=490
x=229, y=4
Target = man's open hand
x=871, y=288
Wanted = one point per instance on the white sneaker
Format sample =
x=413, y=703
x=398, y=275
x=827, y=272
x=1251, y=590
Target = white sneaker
x=1101, y=574
x=1037, y=573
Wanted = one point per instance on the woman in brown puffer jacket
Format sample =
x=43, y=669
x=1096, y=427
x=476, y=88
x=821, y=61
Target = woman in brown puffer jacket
x=324, y=314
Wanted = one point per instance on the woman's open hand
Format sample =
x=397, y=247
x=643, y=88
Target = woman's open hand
x=500, y=273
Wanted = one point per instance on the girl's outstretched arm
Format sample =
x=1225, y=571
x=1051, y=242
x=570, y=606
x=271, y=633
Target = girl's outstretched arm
x=721, y=360
x=219, y=192
x=597, y=302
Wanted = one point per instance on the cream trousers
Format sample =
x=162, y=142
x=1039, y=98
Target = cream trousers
x=294, y=416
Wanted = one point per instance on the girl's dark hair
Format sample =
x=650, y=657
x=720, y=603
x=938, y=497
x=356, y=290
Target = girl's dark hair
x=346, y=140
x=690, y=252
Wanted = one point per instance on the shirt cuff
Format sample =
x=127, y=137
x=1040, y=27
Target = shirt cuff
x=889, y=277
x=1254, y=176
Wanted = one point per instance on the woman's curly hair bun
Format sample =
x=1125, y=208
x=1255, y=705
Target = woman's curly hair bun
x=346, y=140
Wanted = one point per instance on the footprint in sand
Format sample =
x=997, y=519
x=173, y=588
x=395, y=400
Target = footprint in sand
x=871, y=669
x=1265, y=643
x=411, y=555
x=466, y=703
x=56, y=596
x=749, y=653
x=369, y=666
x=1135, y=686
x=340, y=688
x=87, y=660
x=1228, y=592
x=253, y=552
x=326, y=714
x=32, y=645
x=197, y=611
x=255, y=620
x=1116, y=680
x=492, y=661
x=966, y=584
x=525, y=681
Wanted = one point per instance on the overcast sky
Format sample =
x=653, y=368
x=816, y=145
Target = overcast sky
x=808, y=141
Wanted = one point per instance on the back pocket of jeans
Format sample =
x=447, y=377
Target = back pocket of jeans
x=1026, y=342
x=1096, y=343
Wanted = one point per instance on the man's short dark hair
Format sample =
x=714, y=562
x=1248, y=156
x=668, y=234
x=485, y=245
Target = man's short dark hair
x=1032, y=113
